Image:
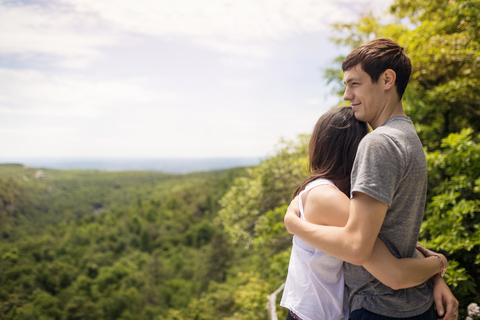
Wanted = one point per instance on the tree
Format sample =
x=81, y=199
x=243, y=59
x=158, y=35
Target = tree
x=263, y=188
x=80, y=308
x=452, y=220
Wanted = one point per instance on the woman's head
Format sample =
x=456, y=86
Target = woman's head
x=333, y=146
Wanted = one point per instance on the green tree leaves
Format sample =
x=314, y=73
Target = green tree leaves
x=452, y=220
x=264, y=188
x=150, y=251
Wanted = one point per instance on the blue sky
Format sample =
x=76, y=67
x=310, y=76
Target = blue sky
x=150, y=79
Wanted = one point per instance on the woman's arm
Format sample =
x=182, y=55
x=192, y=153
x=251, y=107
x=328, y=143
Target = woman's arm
x=325, y=205
x=403, y=273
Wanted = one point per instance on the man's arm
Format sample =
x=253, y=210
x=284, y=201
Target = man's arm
x=353, y=243
x=325, y=205
x=403, y=273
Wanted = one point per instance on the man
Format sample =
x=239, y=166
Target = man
x=389, y=182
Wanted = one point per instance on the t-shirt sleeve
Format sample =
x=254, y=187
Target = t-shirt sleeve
x=379, y=167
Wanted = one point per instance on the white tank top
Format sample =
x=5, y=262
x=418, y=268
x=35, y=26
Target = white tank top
x=315, y=287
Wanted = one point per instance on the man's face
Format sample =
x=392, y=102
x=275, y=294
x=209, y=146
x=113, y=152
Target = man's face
x=365, y=96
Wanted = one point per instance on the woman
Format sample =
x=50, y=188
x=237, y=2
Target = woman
x=315, y=285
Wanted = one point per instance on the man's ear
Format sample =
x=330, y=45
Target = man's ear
x=389, y=77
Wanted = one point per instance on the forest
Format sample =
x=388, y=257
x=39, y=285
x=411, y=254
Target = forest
x=212, y=245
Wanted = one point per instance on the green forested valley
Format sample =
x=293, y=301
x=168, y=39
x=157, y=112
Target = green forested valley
x=112, y=245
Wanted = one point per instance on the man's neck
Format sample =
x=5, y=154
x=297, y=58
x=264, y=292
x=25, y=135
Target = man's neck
x=388, y=112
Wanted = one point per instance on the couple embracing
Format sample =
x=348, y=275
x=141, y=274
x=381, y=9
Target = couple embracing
x=356, y=219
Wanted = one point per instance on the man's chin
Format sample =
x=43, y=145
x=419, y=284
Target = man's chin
x=358, y=116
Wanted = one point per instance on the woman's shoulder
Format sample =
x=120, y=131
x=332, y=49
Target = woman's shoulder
x=326, y=205
x=319, y=182
x=326, y=195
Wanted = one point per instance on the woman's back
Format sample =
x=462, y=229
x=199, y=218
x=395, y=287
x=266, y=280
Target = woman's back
x=315, y=285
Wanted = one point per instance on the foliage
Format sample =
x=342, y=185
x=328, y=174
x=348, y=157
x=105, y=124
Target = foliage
x=112, y=245
x=452, y=220
x=264, y=188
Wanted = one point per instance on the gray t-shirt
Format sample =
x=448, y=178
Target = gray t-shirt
x=390, y=166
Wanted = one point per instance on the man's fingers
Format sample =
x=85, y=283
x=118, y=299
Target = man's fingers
x=443, y=296
x=452, y=309
x=426, y=252
x=293, y=207
x=439, y=305
x=292, y=213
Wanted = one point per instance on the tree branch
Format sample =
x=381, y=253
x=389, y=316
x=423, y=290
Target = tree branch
x=272, y=303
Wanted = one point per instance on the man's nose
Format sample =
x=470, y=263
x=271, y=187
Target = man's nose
x=347, y=95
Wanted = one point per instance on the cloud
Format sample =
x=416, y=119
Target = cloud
x=239, y=62
x=238, y=49
x=239, y=20
x=35, y=131
x=315, y=101
x=30, y=92
x=75, y=31
x=237, y=82
x=34, y=30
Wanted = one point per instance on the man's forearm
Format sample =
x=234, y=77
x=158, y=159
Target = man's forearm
x=353, y=242
x=335, y=241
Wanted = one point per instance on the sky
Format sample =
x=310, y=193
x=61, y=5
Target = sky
x=164, y=78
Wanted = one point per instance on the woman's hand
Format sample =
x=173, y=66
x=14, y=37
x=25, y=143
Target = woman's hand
x=429, y=253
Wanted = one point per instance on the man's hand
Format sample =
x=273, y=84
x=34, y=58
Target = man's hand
x=293, y=212
x=442, y=295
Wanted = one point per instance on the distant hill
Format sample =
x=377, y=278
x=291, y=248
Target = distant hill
x=167, y=165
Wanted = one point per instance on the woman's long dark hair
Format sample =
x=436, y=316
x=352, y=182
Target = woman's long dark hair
x=333, y=146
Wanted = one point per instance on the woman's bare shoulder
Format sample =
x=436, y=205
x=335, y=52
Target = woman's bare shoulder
x=326, y=205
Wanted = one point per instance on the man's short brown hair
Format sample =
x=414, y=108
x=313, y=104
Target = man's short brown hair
x=378, y=55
